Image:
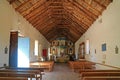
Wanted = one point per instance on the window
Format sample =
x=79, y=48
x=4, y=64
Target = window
x=36, y=48
x=87, y=46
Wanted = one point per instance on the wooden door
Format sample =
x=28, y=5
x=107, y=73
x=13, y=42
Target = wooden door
x=13, y=51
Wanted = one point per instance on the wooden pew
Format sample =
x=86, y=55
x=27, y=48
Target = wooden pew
x=95, y=70
x=89, y=65
x=45, y=64
x=41, y=69
x=17, y=74
x=36, y=72
x=76, y=65
x=99, y=74
x=13, y=78
x=32, y=70
x=102, y=78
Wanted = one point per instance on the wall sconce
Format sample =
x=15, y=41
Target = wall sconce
x=6, y=50
x=116, y=50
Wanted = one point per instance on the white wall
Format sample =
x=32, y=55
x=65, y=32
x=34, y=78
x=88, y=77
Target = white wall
x=106, y=32
x=11, y=20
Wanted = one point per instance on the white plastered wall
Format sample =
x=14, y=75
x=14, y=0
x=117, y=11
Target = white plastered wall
x=106, y=29
x=11, y=20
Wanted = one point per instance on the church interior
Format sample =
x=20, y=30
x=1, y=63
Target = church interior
x=59, y=39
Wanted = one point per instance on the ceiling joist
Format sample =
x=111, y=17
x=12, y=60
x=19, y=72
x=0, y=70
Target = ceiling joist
x=61, y=18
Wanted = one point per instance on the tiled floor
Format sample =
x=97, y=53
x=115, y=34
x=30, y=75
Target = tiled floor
x=61, y=71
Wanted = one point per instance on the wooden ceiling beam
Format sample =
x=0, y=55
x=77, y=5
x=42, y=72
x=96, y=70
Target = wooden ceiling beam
x=88, y=7
x=80, y=17
x=40, y=17
x=48, y=27
x=79, y=22
x=22, y=5
x=44, y=20
x=72, y=37
x=30, y=9
x=76, y=21
x=98, y=3
x=11, y=1
x=75, y=9
x=53, y=38
x=73, y=27
x=56, y=7
x=56, y=4
x=43, y=23
x=75, y=34
x=36, y=11
x=84, y=10
x=76, y=26
x=47, y=21
x=51, y=33
x=41, y=20
x=75, y=30
x=77, y=18
x=45, y=31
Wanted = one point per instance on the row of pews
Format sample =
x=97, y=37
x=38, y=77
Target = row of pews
x=35, y=71
x=21, y=73
x=87, y=71
x=99, y=74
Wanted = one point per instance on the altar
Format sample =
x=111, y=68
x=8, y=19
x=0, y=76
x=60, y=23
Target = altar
x=62, y=59
x=60, y=49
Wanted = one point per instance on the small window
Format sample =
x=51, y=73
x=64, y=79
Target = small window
x=36, y=48
x=87, y=46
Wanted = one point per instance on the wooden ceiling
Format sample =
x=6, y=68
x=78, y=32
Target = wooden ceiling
x=61, y=18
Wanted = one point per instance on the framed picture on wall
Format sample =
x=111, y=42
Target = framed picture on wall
x=104, y=47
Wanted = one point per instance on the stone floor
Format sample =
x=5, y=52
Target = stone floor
x=61, y=71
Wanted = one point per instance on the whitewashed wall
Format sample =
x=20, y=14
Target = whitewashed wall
x=11, y=20
x=106, y=29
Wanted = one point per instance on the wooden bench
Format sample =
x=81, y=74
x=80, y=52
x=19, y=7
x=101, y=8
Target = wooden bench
x=13, y=78
x=45, y=64
x=102, y=78
x=17, y=74
x=99, y=74
x=75, y=65
x=36, y=71
x=95, y=70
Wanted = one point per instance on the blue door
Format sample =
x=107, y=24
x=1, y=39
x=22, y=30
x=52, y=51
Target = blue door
x=23, y=51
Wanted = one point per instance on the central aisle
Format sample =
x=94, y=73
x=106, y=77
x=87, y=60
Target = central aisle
x=61, y=71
